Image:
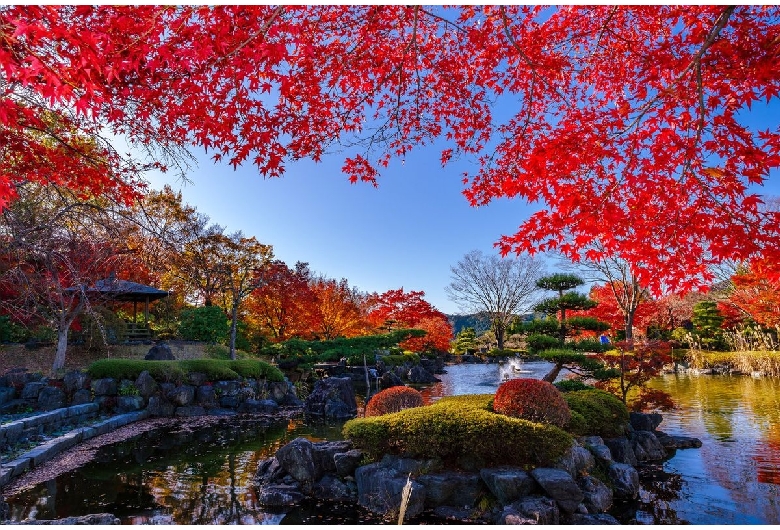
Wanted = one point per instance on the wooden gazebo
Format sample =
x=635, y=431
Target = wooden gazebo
x=114, y=289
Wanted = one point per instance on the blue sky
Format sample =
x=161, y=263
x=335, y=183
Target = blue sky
x=405, y=233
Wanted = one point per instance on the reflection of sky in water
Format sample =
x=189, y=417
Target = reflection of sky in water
x=735, y=477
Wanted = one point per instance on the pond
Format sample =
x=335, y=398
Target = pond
x=206, y=477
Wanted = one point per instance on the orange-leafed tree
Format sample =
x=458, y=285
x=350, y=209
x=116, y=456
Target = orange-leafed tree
x=337, y=308
x=396, y=309
x=283, y=306
x=593, y=113
x=754, y=296
x=613, y=313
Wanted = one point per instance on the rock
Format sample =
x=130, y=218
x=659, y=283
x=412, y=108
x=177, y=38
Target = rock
x=646, y=446
x=601, y=453
x=324, y=453
x=51, y=398
x=379, y=490
x=297, y=459
x=254, y=406
x=226, y=388
x=129, y=404
x=81, y=396
x=190, y=411
x=418, y=374
x=205, y=396
x=625, y=481
x=577, y=461
x=621, y=450
x=536, y=509
x=104, y=387
x=508, y=484
x=672, y=442
x=347, y=463
x=279, y=495
x=404, y=466
x=269, y=471
x=332, y=489
x=598, y=497
x=160, y=352
x=645, y=422
x=593, y=519
x=182, y=396
x=146, y=384
x=197, y=378
x=332, y=398
x=32, y=389
x=560, y=486
x=451, y=513
x=7, y=393
x=389, y=380
x=451, y=488
x=73, y=381
x=160, y=407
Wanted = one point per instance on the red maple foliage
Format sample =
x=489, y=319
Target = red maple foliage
x=394, y=399
x=755, y=296
x=398, y=309
x=626, y=122
x=610, y=312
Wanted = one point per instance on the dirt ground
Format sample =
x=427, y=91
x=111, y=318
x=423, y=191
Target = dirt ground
x=78, y=357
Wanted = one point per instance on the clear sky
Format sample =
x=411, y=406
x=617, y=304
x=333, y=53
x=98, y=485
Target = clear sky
x=406, y=233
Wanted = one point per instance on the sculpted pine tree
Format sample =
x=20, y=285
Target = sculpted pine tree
x=622, y=123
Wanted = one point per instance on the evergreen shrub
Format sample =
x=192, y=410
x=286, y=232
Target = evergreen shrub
x=460, y=429
x=177, y=371
x=393, y=399
x=570, y=385
x=532, y=400
x=596, y=412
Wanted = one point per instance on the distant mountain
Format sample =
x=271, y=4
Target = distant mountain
x=478, y=321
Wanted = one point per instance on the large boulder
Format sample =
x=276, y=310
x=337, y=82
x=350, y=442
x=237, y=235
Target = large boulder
x=621, y=450
x=625, y=481
x=598, y=497
x=182, y=396
x=576, y=461
x=297, y=459
x=641, y=421
x=531, y=510
x=646, y=446
x=418, y=374
x=602, y=454
x=508, y=484
x=380, y=489
x=332, y=398
x=73, y=381
x=451, y=488
x=105, y=387
x=560, y=486
x=160, y=352
x=51, y=398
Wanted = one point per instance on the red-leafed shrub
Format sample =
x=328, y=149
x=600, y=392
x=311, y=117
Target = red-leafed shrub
x=394, y=399
x=533, y=400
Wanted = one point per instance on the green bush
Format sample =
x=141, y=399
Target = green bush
x=214, y=369
x=538, y=343
x=393, y=399
x=207, y=324
x=461, y=430
x=10, y=331
x=597, y=413
x=532, y=400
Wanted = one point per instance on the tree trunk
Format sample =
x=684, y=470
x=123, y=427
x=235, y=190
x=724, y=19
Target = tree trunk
x=553, y=374
x=499, y=330
x=62, y=348
x=233, y=331
x=630, y=328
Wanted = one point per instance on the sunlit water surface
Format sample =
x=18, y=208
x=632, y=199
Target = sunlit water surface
x=206, y=477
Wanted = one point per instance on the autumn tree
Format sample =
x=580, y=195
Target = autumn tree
x=399, y=309
x=499, y=287
x=283, y=305
x=56, y=246
x=338, y=309
x=591, y=112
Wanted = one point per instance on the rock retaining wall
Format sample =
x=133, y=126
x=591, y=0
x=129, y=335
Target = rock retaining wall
x=22, y=430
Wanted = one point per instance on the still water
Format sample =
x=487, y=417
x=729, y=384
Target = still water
x=206, y=477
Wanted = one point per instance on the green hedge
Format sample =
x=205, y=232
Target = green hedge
x=214, y=369
x=461, y=430
x=595, y=412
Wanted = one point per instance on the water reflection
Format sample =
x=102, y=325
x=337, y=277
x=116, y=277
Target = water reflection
x=734, y=478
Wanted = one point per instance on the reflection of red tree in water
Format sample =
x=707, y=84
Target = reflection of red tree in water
x=767, y=457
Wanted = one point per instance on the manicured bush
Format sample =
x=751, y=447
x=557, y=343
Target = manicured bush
x=595, y=412
x=177, y=371
x=393, y=399
x=532, y=400
x=460, y=430
x=537, y=343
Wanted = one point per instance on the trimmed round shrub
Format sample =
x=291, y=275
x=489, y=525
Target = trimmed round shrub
x=394, y=399
x=595, y=412
x=532, y=400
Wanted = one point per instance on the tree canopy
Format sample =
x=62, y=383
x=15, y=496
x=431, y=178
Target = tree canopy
x=623, y=124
